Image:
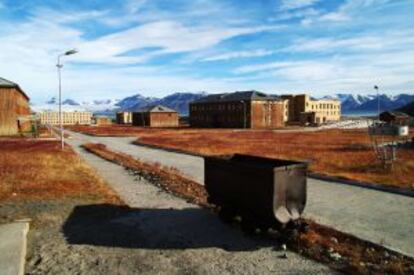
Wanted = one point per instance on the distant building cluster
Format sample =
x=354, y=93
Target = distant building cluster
x=243, y=109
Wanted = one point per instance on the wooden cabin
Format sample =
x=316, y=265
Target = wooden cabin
x=102, y=120
x=14, y=107
x=155, y=116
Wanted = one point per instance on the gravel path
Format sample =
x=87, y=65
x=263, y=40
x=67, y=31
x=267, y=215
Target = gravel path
x=172, y=236
x=377, y=216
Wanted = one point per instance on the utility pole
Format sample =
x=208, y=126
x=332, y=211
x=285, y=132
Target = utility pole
x=378, y=101
x=59, y=66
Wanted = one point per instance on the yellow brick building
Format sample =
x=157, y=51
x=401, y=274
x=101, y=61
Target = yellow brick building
x=68, y=118
x=305, y=110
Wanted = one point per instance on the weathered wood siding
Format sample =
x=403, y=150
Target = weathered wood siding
x=12, y=105
x=164, y=119
x=161, y=119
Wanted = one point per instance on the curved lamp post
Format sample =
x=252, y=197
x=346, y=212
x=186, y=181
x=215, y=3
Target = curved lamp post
x=59, y=66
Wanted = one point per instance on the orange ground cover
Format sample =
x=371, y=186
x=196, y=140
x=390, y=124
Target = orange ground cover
x=342, y=153
x=31, y=170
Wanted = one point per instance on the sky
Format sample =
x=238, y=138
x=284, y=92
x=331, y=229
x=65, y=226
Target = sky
x=157, y=47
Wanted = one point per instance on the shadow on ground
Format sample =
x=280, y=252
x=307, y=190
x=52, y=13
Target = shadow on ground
x=120, y=226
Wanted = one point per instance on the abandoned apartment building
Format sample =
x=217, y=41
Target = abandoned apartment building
x=155, y=116
x=305, y=110
x=246, y=109
x=68, y=118
x=14, y=109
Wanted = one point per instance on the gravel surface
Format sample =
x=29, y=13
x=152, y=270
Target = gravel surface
x=380, y=217
x=162, y=234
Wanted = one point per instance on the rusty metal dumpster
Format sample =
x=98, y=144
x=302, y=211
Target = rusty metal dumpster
x=264, y=192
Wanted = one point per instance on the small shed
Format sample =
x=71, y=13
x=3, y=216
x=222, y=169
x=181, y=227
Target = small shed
x=155, y=116
x=14, y=107
x=102, y=120
x=394, y=117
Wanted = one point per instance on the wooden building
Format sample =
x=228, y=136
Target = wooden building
x=124, y=117
x=155, y=116
x=102, y=120
x=14, y=107
x=394, y=117
x=248, y=109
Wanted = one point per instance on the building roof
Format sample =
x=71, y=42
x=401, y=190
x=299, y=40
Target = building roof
x=155, y=109
x=4, y=83
x=237, y=96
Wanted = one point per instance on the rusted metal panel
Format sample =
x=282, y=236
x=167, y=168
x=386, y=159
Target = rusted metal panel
x=267, y=191
x=267, y=114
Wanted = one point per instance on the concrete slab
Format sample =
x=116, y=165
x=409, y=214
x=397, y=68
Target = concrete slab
x=13, y=247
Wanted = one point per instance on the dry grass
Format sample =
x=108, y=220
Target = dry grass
x=38, y=170
x=341, y=153
x=170, y=179
x=318, y=242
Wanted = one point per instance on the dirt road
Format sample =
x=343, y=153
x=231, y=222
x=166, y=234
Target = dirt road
x=377, y=216
x=168, y=235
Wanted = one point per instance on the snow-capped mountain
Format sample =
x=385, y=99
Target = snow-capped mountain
x=176, y=101
x=351, y=103
x=356, y=103
x=135, y=102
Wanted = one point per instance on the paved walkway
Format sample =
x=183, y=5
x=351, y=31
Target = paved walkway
x=13, y=248
x=377, y=216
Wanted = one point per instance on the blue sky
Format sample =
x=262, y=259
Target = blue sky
x=156, y=47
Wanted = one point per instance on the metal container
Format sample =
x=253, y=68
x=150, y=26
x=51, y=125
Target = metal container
x=264, y=192
x=386, y=129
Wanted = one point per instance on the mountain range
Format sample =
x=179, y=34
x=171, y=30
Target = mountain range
x=351, y=103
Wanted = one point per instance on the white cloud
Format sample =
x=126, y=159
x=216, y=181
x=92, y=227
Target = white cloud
x=392, y=70
x=262, y=67
x=386, y=41
x=168, y=36
x=296, y=4
x=238, y=54
x=346, y=12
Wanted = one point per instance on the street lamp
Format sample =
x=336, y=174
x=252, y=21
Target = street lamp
x=59, y=67
x=378, y=99
x=244, y=113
